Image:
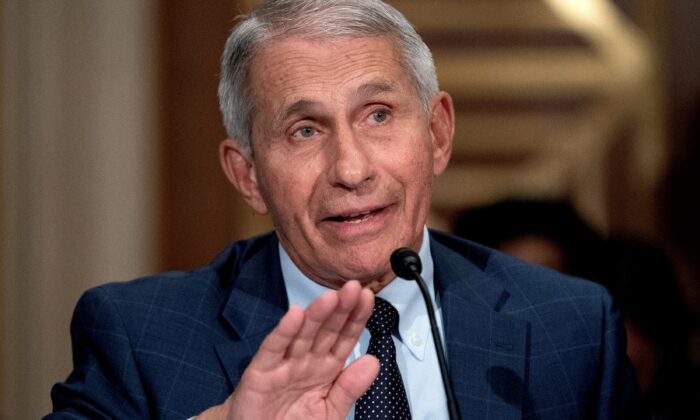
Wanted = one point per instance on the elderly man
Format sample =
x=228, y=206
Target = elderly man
x=337, y=130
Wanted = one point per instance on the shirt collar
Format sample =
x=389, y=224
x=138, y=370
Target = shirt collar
x=414, y=324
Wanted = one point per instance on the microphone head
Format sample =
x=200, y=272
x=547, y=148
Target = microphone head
x=405, y=262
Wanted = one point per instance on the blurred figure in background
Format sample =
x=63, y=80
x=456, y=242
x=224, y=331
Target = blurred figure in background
x=638, y=275
x=642, y=280
x=549, y=233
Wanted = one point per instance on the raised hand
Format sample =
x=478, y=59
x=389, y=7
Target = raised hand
x=298, y=372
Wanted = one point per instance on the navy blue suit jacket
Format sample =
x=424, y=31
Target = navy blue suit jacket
x=522, y=341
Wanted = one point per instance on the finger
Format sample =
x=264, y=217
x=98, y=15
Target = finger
x=275, y=345
x=348, y=298
x=352, y=382
x=315, y=315
x=350, y=333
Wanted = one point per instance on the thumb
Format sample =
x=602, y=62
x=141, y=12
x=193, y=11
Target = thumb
x=352, y=382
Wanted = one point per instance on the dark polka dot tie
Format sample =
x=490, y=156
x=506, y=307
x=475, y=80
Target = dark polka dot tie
x=386, y=397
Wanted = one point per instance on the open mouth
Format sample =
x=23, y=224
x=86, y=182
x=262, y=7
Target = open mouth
x=356, y=217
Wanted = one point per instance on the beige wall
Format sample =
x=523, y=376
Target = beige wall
x=78, y=174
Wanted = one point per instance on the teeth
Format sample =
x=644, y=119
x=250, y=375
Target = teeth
x=356, y=219
x=358, y=214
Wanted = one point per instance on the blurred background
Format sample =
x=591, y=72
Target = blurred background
x=110, y=128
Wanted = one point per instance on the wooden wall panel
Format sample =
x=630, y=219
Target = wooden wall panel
x=541, y=91
x=200, y=212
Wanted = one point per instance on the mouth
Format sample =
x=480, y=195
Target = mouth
x=356, y=217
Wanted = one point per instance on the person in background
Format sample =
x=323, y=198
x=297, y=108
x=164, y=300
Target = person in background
x=541, y=231
x=642, y=280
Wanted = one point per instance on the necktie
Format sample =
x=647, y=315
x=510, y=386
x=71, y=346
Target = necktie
x=386, y=397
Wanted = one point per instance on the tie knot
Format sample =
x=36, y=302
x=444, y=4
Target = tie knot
x=384, y=318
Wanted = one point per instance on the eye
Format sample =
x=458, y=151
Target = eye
x=379, y=116
x=305, y=132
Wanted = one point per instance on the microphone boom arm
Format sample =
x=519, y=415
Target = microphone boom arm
x=406, y=264
x=446, y=379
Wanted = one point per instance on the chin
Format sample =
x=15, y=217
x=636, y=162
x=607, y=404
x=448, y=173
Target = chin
x=365, y=269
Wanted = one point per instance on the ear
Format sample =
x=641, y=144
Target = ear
x=442, y=128
x=239, y=167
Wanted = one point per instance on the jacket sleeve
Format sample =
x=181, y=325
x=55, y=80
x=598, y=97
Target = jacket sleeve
x=104, y=382
x=619, y=394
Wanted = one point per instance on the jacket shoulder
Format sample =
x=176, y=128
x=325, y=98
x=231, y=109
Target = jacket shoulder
x=180, y=288
x=528, y=284
x=137, y=343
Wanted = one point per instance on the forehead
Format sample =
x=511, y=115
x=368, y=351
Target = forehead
x=295, y=67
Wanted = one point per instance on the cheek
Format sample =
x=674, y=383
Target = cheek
x=415, y=164
x=288, y=193
x=420, y=181
x=273, y=188
x=411, y=167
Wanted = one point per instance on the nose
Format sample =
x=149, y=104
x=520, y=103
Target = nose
x=351, y=166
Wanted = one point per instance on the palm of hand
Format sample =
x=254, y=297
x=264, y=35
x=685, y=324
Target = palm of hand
x=298, y=372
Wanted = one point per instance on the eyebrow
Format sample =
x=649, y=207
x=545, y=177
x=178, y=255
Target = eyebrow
x=298, y=107
x=373, y=88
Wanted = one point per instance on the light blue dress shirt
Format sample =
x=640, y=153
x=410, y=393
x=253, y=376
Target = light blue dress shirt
x=415, y=351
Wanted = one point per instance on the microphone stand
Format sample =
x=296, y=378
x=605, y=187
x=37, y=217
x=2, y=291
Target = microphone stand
x=410, y=270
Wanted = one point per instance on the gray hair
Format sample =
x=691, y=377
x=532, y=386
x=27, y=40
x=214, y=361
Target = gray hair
x=276, y=19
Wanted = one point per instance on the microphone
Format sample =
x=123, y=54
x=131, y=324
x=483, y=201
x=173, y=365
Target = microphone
x=406, y=264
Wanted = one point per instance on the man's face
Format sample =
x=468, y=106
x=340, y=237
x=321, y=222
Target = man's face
x=344, y=155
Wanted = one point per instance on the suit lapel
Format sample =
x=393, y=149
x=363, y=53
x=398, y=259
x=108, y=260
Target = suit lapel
x=257, y=301
x=486, y=349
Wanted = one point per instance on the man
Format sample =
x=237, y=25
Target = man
x=337, y=129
